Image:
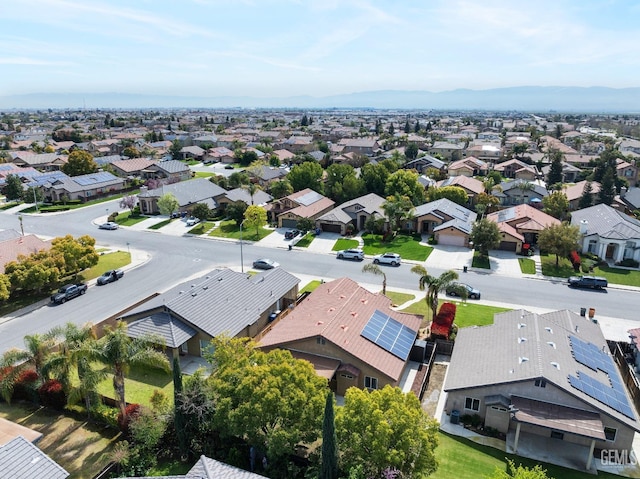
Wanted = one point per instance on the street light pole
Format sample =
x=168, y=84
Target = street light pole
x=241, y=258
x=35, y=200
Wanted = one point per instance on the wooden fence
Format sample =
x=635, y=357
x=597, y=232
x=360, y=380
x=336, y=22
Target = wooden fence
x=622, y=353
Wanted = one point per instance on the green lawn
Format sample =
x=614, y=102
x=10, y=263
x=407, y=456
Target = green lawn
x=11, y=204
x=229, y=229
x=461, y=458
x=407, y=246
x=140, y=383
x=201, y=228
x=345, y=243
x=127, y=219
x=467, y=313
x=480, y=261
x=306, y=240
x=157, y=226
x=203, y=174
x=618, y=276
x=564, y=269
x=527, y=265
x=311, y=285
x=399, y=298
x=74, y=206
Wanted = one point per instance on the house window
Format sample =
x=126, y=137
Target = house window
x=206, y=347
x=347, y=376
x=540, y=383
x=592, y=246
x=321, y=340
x=610, y=433
x=472, y=404
x=557, y=435
x=370, y=383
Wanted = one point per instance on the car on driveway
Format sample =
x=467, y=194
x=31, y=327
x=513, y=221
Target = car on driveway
x=265, y=263
x=291, y=234
x=459, y=289
x=110, y=276
x=193, y=221
x=354, y=253
x=387, y=258
x=109, y=225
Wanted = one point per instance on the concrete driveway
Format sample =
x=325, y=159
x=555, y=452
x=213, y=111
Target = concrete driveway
x=449, y=257
x=324, y=242
x=275, y=239
x=505, y=263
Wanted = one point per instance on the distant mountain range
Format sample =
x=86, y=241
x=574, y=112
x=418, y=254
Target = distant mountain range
x=526, y=98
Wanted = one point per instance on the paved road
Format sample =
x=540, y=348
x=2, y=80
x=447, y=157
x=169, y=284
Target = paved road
x=175, y=258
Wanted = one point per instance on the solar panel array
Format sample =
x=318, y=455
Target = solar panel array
x=309, y=198
x=93, y=178
x=42, y=178
x=389, y=334
x=613, y=394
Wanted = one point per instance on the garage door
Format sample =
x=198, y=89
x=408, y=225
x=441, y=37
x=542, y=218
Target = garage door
x=451, y=240
x=289, y=223
x=330, y=228
x=508, y=245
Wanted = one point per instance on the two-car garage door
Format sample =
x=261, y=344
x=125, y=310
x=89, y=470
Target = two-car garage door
x=451, y=240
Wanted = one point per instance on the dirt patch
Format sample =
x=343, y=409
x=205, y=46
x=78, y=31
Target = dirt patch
x=434, y=389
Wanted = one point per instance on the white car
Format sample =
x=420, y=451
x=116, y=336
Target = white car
x=109, y=225
x=192, y=221
x=354, y=253
x=388, y=258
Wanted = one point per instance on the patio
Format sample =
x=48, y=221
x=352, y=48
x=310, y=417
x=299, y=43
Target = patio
x=190, y=364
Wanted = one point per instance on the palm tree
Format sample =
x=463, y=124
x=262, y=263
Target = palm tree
x=523, y=186
x=88, y=380
x=433, y=285
x=375, y=269
x=119, y=352
x=251, y=188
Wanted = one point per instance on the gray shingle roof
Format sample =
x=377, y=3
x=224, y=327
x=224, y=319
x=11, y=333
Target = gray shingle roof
x=607, y=222
x=187, y=192
x=242, y=194
x=223, y=301
x=172, y=166
x=20, y=459
x=207, y=468
x=370, y=203
x=449, y=208
x=173, y=331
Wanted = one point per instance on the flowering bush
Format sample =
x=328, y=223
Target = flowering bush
x=131, y=411
x=52, y=394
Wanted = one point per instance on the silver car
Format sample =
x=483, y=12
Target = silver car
x=354, y=253
x=388, y=258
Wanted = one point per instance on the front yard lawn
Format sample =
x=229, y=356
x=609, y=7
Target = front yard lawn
x=159, y=225
x=467, y=313
x=305, y=241
x=618, y=275
x=407, y=246
x=345, y=243
x=564, y=269
x=399, y=298
x=127, y=219
x=480, y=261
x=311, y=285
x=201, y=228
x=11, y=204
x=527, y=265
x=82, y=449
x=203, y=174
x=230, y=229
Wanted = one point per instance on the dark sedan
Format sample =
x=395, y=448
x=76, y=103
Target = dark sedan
x=463, y=290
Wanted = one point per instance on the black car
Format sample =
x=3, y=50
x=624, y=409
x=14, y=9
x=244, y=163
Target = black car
x=291, y=234
x=110, y=276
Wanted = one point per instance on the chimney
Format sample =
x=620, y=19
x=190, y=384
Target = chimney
x=584, y=226
x=623, y=191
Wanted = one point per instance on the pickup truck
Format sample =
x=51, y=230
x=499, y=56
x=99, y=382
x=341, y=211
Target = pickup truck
x=69, y=291
x=593, y=282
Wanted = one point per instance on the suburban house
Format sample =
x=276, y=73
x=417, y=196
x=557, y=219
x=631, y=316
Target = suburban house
x=424, y=162
x=188, y=194
x=517, y=192
x=7, y=169
x=569, y=172
x=303, y=204
x=517, y=169
x=491, y=152
x=267, y=174
x=450, y=151
x=82, y=187
x=449, y=222
x=298, y=144
x=192, y=152
x=219, y=154
x=350, y=335
x=627, y=201
x=223, y=301
x=608, y=233
x=172, y=170
x=471, y=186
x=469, y=166
x=13, y=244
x=20, y=458
x=41, y=161
x=627, y=171
x=354, y=212
x=576, y=191
x=133, y=167
x=520, y=224
x=285, y=156
x=542, y=377
x=361, y=146
x=260, y=198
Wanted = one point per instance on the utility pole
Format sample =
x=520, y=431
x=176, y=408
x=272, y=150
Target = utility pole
x=21, y=225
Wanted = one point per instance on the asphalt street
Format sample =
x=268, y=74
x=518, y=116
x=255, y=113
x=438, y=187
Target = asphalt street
x=174, y=259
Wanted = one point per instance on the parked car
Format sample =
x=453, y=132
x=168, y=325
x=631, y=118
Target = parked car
x=110, y=276
x=458, y=289
x=228, y=167
x=109, y=225
x=291, y=234
x=265, y=263
x=67, y=292
x=388, y=258
x=593, y=282
x=354, y=253
x=192, y=221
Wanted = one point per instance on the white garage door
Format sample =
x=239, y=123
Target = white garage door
x=451, y=240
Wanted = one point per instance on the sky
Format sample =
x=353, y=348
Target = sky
x=283, y=48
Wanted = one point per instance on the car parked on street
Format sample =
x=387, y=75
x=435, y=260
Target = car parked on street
x=265, y=263
x=110, y=276
x=68, y=292
x=463, y=290
x=388, y=258
x=354, y=253
x=593, y=282
x=109, y=225
x=291, y=234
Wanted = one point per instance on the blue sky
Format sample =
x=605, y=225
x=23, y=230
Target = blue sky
x=272, y=48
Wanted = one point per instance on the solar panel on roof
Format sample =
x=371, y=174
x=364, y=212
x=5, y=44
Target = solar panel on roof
x=309, y=198
x=613, y=394
x=389, y=334
x=93, y=178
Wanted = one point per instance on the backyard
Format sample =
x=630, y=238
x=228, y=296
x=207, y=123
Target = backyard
x=407, y=246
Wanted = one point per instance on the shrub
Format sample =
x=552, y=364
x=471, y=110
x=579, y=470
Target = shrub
x=574, y=257
x=131, y=411
x=52, y=394
x=628, y=263
x=432, y=240
x=113, y=216
x=105, y=414
x=473, y=420
x=25, y=386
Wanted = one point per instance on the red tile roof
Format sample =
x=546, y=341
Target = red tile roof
x=25, y=245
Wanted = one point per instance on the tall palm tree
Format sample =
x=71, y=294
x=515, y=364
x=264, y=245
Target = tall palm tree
x=523, y=186
x=119, y=352
x=433, y=285
x=375, y=269
x=88, y=380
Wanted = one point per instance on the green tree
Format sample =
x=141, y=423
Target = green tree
x=179, y=418
x=252, y=403
x=586, y=199
x=559, y=239
x=306, y=175
x=555, y=171
x=119, y=352
x=398, y=209
x=79, y=162
x=375, y=269
x=306, y=224
x=201, y=211
x=375, y=176
x=131, y=152
x=453, y=193
x=245, y=158
x=342, y=184
x=5, y=287
x=235, y=211
x=485, y=235
x=520, y=472
x=78, y=253
x=329, y=466
x=407, y=127
x=607, y=187
x=385, y=429
x=255, y=217
x=13, y=188
x=175, y=148
x=280, y=188
x=405, y=183
x=556, y=204
x=411, y=151
x=36, y=271
x=238, y=178
x=167, y=204
x=433, y=285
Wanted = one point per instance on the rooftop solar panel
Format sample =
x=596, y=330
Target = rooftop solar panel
x=309, y=198
x=389, y=334
x=93, y=178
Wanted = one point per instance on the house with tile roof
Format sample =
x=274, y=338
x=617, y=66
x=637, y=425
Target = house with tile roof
x=350, y=335
x=471, y=186
x=569, y=172
x=608, y=233
x=548, y=376
x=307, y=203
x=520, y=224
x=361, y=146
x=172, y=170
x=132, y=167
x=207, y=468
x=449, y=222
x=354, y=212
x=41, y=161
x=82, y=187
x=188, y=193
x=13, y=244
x=450, y=151
x=223, y=301
x=425, y=162
x=219, y=154
x=517, y=169
x=266, y=175
x=469, y=166
x=520, y=191
x=576, y=191
x=21, y=459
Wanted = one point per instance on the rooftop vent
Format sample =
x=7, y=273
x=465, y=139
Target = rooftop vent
x=180, y=292
x=552, y=344
x=521, y=325
x=205, y=287
x=522, y=340
x=548, y=330
x=555, y=365
x=522, y=359
x=194, y=294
